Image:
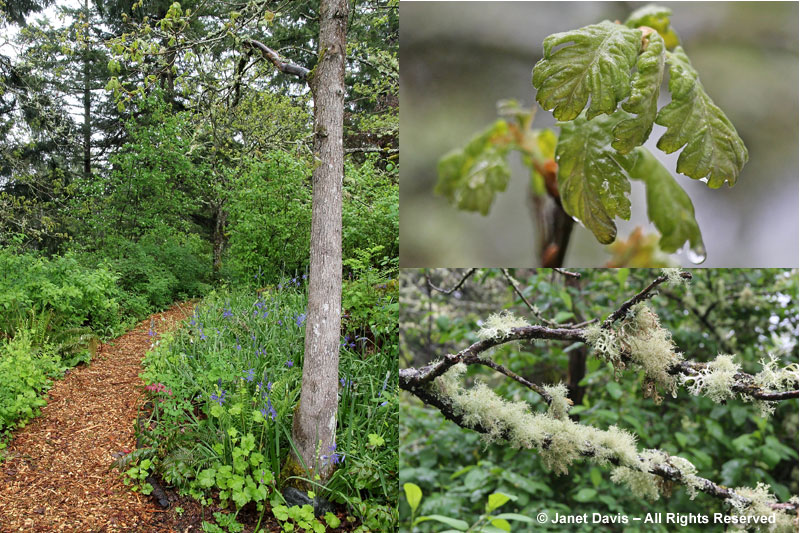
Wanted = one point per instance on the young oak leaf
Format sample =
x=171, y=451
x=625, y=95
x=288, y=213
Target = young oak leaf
x=655, y=17
x=469, y=178
x=596, y=61
x=668, y=205
x=713, y=149
x=591, y=176
x=643, y=101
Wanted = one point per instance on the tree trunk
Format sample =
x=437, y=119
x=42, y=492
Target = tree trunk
x=314, y=427
x=87, y=102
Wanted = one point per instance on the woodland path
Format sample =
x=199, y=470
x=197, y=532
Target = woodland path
x=57, y=476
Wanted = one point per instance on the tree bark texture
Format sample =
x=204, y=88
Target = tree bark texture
x=314, y=426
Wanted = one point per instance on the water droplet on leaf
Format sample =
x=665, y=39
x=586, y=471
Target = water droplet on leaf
x=697, y=254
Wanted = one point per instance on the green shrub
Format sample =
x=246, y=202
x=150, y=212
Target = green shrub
x=25, y=370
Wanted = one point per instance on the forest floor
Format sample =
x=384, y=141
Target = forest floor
x=56, y=476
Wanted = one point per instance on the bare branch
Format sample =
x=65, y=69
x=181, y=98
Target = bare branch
x=643, y=295
x=455, y=288
x=533, y=309
x=567, y=273
x=272, y=56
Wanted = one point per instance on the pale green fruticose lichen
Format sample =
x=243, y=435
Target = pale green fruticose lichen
x=559, y=441
x=604, y=342
x=499, y=325
x=674, y=275
x=559, y=403
x=649, y=346
x=688, y=474
x=774, y=379
x=640, y=483
x=715, y=380
x=760, y=508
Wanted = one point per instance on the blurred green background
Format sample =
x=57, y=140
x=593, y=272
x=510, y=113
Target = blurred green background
x=746, y=312
x=459, y=58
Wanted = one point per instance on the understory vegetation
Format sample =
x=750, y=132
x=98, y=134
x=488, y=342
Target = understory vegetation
x=175, y=182
x=589, y=420
x=222, y=394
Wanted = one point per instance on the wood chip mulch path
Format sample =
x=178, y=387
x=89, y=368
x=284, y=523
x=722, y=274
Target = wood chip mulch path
x=57, y=476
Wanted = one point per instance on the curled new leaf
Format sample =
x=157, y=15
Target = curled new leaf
x=643, y=101
x=658, y=18
x=596, y=62
x=713, y=149
x=469, y=178
x=668, y=205
x=591, y=176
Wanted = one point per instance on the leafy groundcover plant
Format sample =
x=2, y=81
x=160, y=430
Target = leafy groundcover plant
x=617, y=69
x=223, y=391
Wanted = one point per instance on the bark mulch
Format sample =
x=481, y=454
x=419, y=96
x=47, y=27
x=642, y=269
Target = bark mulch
x=57, y=476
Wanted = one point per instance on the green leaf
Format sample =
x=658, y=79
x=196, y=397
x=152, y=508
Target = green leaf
x=332, y=520
x=596, y=63
x=655, y=17
x=496, y=500
x=595, y=476
x=469, y=178
x=668, y=205
x=591, y=178
x=452, y=522
x=714, y=151
x=206, y=477
x=614, y=390
x=375, y=440
x=516, y=517
x=643, y=101
x=413, y=495
x=585, y=495
x=501, y=524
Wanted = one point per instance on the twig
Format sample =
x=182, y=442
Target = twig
x=568, y=273
x=457, y=286
x=643, y=295
x=533, y=309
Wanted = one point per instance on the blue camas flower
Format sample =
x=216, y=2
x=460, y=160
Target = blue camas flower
x=219, y=399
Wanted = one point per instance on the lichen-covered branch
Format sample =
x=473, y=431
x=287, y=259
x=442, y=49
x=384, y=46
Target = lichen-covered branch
x=484, y=412
x=470, y=355
x=643, y=295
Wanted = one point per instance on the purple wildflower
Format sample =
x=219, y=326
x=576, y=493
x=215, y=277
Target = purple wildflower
x=384, y=403
x=220, y=399
x=269, y=411
x=227, y=313
x=299, y=319
x=333, y=458
x=250, y=375
x=289, y=364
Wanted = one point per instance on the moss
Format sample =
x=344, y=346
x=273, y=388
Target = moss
x=761, y=499
x=499, y=325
